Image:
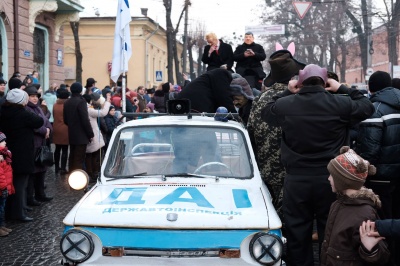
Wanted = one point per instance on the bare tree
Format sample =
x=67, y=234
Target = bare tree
x=171, y=42
x=391, y=21
x=78, y=53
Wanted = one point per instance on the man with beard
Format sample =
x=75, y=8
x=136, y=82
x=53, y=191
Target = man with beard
x=242, y=96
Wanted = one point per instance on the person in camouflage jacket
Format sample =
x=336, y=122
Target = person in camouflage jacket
x=266, y=139
x=266, y=142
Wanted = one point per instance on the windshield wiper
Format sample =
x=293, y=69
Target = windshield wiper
x=164, y=177
x=144, y=174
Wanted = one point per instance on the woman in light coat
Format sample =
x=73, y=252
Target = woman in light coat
x=98, y=108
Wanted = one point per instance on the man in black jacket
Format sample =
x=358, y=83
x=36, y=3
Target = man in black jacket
x=209, y=91
x=80, y=132
x=378, y=141
x=249, y=56
x=315, y=125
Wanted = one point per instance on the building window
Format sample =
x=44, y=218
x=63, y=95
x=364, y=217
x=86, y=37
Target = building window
x=41, y=55
x=3, y=51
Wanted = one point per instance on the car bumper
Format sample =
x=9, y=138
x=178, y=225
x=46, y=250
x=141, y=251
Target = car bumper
x=135, y=260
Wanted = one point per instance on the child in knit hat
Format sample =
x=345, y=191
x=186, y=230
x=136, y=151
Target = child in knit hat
x=6, y=181
x=355, y=204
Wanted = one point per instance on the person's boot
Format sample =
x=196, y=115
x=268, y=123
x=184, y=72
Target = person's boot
x=3, y=233
x=33, y=202
x=56, y=169
x=8, y=230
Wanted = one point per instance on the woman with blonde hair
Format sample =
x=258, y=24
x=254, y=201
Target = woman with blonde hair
x=217, y=54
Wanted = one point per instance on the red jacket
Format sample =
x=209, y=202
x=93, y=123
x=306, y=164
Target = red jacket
x=6, y=177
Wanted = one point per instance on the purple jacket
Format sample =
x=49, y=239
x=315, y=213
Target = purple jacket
x=40, y=133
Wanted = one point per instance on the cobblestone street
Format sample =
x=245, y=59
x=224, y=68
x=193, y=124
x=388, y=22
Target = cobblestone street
x=37, y=242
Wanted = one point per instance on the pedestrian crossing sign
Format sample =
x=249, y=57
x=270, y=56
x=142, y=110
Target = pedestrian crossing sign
x=159, y=76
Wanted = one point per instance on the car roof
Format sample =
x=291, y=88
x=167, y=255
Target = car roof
x=182, y=120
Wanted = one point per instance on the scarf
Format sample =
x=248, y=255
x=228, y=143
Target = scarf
x=6, y=154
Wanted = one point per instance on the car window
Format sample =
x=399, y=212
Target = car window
x=178, y=149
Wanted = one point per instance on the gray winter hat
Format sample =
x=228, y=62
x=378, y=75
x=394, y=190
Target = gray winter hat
x=245, y=88
x=17, y=96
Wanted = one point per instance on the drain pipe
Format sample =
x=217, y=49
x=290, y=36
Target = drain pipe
x=16, y=36
x=146, y=63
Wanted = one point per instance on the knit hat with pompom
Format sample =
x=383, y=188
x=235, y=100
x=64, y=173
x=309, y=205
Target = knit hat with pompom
x=349, y=170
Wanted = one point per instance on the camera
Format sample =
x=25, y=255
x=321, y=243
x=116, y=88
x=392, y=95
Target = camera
x=135, y=100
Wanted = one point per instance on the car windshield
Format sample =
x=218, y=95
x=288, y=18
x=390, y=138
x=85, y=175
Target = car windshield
x=170, y=150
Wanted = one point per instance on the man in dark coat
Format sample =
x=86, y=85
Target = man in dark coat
x=19, y=124
x=249, y=56
x=315, y=125
x=80, y=132
x=378, y=142
x=209, y=91
x=217, y=53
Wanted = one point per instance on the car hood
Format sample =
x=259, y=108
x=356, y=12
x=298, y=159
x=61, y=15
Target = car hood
x=175, y=206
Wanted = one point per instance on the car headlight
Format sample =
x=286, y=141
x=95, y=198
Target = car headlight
x=76, y=245
x=78, y=179
x=266, y=248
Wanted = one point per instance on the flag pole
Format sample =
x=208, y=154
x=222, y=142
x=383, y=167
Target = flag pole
x=123, y=78
x=122, y=50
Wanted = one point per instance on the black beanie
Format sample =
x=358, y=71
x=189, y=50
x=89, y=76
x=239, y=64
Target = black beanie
x=379, y=80
x=14, y=83
x=76, y=87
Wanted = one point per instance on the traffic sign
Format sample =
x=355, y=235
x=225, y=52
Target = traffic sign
x=266, y=29
x=369, y=71
x=158, y=75
x=302, y=8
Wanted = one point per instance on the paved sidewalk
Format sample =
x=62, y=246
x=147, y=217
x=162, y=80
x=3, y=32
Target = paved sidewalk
x=37, y=242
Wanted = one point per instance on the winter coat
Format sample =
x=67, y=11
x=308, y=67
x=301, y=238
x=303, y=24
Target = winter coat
x=60, y=129
x=50, y=98
x=388, y=228
x=209, y=91
x=266, y=142
x=378, y=136
x=6, y=175
x=315, y=125
x=224, y=55
x=77, y=119
x=18, y=125
x=94, y=115
x=342, y=244
x=142, y=102
x=40, y=133
x=251, y=63
x=111, y=123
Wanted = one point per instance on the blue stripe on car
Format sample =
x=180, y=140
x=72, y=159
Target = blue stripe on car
x=170, y=239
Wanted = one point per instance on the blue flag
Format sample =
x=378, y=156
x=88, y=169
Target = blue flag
x=122, y=40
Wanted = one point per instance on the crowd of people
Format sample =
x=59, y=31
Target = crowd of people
x=77, y=120
x=328, y=154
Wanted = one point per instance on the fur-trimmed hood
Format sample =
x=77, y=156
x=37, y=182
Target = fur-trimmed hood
x=363, y=194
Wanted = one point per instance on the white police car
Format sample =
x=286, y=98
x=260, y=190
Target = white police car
x=174, y=190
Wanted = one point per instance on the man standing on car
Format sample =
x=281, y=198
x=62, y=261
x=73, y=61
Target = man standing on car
x=249, y=56
x=315, y=125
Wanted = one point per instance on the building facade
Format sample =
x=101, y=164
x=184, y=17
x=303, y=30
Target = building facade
x=31, y=37
x=147, y=66
x=379, y=57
